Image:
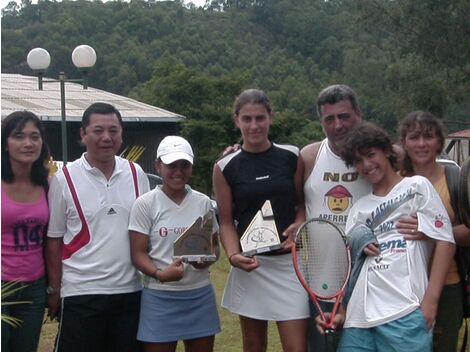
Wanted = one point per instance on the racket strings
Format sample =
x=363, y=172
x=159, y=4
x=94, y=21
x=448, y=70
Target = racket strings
x=323, y=258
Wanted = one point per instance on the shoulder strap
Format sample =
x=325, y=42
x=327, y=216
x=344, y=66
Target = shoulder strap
x=453, y=177
x=134, y=177
x=316, y=152
x=83, y=236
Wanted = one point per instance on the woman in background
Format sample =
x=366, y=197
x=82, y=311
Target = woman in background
x=422, y=137
x=25, y=214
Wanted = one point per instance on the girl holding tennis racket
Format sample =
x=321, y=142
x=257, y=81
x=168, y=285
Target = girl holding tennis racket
x=264, y=287
x=394, y=300
x=178, y=300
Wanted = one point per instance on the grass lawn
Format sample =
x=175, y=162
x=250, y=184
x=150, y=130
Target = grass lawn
x=229, y=340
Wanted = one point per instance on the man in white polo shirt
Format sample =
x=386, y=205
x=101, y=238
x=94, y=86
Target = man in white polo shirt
x=91, y=276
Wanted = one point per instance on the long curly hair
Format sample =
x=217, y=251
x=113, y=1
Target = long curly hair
x=16, y=122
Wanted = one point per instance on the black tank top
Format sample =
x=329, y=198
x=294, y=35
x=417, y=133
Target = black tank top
x=257, y=177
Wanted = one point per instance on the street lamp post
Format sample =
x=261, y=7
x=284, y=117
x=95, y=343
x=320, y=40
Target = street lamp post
x=83, y=57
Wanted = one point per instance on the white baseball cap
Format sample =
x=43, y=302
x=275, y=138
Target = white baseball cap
x=174, y=148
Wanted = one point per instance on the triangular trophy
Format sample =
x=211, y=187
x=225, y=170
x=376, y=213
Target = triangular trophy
x=195, y=243
x=261, y=235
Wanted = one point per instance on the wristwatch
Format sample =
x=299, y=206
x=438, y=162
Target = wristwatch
x=52, y=291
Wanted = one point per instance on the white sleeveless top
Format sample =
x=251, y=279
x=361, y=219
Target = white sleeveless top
x=332, y=188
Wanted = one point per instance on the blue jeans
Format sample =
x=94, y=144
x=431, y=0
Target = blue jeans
x=24, y=338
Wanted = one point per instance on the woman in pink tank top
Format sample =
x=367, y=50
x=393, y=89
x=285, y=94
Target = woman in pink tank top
x=25, y=214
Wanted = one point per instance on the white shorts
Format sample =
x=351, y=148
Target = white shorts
x=270, y=292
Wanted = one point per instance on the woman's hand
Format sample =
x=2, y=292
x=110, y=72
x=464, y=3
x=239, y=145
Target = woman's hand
x=322, y=325
x=372, y=250
x=245, y=263
x=173, y=272
x=201, y=264
x=429, y=312
x=408, y=227
x=53, y=305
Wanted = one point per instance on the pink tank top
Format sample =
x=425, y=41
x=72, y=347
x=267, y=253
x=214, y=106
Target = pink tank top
x=24, y=226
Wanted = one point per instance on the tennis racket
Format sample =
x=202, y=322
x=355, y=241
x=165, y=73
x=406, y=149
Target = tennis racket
x=322, y=262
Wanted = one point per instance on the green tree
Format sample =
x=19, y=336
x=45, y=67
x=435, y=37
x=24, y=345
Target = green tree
x=205, y=102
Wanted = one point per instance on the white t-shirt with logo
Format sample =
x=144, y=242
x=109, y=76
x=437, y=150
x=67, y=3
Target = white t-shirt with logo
x=393, y=284
x=158, y=216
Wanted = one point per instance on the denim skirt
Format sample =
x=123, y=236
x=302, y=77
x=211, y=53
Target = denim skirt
x=167, y=316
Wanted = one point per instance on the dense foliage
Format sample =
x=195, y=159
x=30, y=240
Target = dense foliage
x=399, y=55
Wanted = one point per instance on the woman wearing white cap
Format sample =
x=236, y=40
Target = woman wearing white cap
x=262, y=288
x=178, y=300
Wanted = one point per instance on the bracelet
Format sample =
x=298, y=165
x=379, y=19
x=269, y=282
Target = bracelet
x=50, y=290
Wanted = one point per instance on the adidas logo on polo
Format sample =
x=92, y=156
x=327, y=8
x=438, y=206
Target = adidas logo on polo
x=111, y=211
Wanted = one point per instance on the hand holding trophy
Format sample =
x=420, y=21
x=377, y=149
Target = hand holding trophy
x=195, y=245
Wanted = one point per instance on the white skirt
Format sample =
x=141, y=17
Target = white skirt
x=270, y=292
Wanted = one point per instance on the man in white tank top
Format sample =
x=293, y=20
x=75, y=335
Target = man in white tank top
x=330, y=187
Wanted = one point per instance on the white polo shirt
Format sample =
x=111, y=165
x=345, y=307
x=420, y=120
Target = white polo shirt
x=101, y=264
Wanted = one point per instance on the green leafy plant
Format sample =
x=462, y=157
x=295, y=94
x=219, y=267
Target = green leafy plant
x=9, y=288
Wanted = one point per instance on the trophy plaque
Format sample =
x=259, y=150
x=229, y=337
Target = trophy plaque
x=261, y=235
x=195, y=244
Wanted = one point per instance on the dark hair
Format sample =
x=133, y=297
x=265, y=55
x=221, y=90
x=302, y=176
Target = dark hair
x=99, y=108
x=16, y=122
x=251, y=96
x=427, y=123
x=363, y=137
x=336, y=93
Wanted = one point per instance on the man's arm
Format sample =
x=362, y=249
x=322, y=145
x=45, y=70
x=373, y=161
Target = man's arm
x=54, y=274
x=309, y=156
x=54, y=244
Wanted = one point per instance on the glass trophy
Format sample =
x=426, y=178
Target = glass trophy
x=261, y=235
x=195, y=245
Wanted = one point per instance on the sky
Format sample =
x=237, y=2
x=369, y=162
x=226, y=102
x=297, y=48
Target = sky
x=4, y=3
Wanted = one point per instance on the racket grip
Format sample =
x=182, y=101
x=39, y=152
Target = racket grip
x=329, y=327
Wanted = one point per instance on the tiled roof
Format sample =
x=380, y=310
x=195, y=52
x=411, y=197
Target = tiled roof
x=21, y=93
x=464, y=134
